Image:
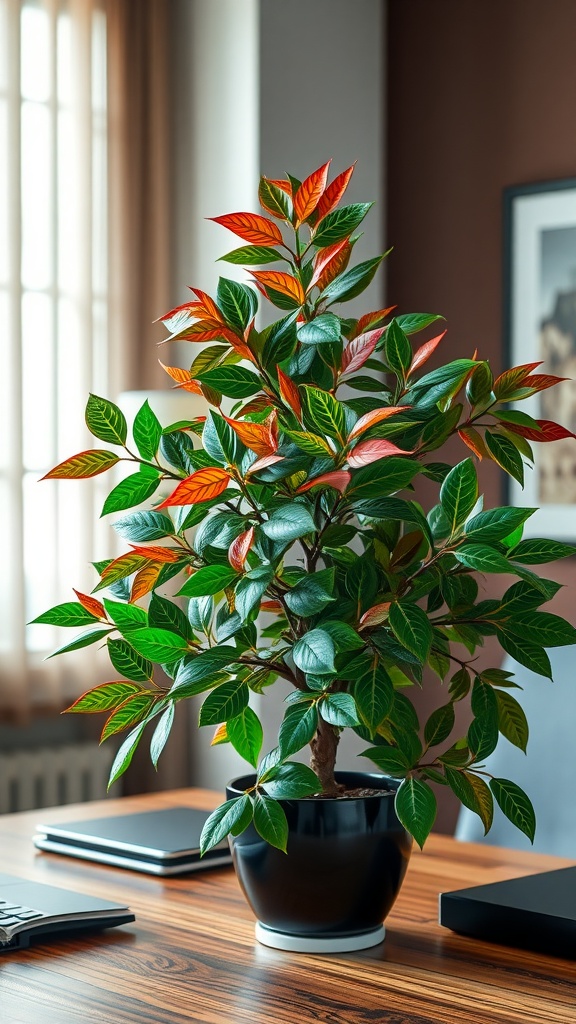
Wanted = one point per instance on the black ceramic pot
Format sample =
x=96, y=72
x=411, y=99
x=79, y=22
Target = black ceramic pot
x=345, y=864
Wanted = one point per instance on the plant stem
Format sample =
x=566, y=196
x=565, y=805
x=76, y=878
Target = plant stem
x=324, y=746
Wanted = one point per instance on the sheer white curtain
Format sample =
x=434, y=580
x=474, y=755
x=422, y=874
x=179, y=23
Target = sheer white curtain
x=53, y=313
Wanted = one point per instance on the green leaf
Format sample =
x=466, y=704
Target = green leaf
x=497, y=523
x=459, y=494
x=339, y=224
x=226, y=701
x=85, y=640
x=128, y=662
x=436, y=385
x=161, y=734
x=209, y=580
x=199, y=672
x=105, y=697
x=314, y=653
x=251, y=588
x=344, y=637
x=382, y=478
x=397, y=350
x=483, y=559
x=537, y=550
x=473, y=792
x=412, y=628
x=374, y=696
x=252, y=256
x=142, y=526
x=71, y=613
x=147, y=431
x=525, y=652
x=129, y=713
x=270, y=821
x=133, y=490
x=321, y=330
x=126, y=616
x=339, y=709
x=542, y=628
x=292, y=781
x=288, y=523
x=280, y=341
x=505, y=453
x=125, y=753
x=311, y=444
x=326, y=413
x=246, y=735
x=413, y=322
x=274, y=199
x=232, y=381
x=512, y=721
x=298, y=728
x=515, y=804
x=415, y=805
x=106, y=421
x=439, y=725
x=84, y=465
x=223, y=820
x=352, y=282
x=159, y=645
x=312, y=593
x=237, y=302
x=389, y=760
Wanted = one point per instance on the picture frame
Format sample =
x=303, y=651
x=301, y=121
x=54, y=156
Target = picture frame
x=540, y=326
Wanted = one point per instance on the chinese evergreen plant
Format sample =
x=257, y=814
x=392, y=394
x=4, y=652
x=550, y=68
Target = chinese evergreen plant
x=298, y=502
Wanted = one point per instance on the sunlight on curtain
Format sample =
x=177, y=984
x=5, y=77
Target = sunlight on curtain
x=53, y=322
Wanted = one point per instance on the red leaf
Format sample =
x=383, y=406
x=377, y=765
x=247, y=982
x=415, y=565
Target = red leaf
x=512, y=379
x=324, y=257
x=144, y=581
x=281, y=282
x=372, y=320
x=251, y=227
x=424, y=352
x=259, y=437
x=475, y=442
x=338, y=479
x=271, y=606
x=267, y=460
x=239, y=548
x=203, y=485
x=333, y=194
x=541, y=381
x=308, y=195
x=289, y=393
x=370, y=451
x=376, y=416
x=549, y=431
x=91, y=605
x=335, y=267
x=360, y=349
x=157, y=553
x=374, y=616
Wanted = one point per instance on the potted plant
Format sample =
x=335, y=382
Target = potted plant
x=298, y=502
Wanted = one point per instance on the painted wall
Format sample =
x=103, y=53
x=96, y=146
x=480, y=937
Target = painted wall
x=481, y=95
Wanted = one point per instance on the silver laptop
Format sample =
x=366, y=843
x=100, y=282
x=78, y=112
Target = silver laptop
x=165, y=842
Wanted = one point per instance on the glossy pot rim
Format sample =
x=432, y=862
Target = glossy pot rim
x=386, y=784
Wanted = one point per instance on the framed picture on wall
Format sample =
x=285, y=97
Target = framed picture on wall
x=540, y=326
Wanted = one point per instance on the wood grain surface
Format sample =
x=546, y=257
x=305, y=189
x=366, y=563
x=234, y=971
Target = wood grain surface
x=191, y=954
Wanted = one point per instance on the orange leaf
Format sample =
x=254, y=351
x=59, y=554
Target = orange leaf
x=324, y=257
x=83, y=465
x=289, y=393
x=338, y=479
x=239, y=548
x=256, y=436
x=157, y=553
x=251, y=227
x=376, y=416
x=257, y=404
x=203, y=485
x=91, y=605
x=334, y=193
x=144, y=581
x=424, y=352
x=475, y=442
x=238, y=344
x=541, y=381
x=271, y=606
x=191, y=308
x=184, y=379
x=360, y=349
x=220, y=735
x=308, y=195
x=123, y=566
x=202, y=330
x=284, y=185
x=267, y=460
x=374, y=616
x=280, y=281
x=512, y=379
x=372, y=450
x=372, y=320
x=208, y=306
x=335, y=267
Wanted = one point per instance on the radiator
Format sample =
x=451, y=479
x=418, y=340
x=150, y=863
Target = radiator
x=51, y=776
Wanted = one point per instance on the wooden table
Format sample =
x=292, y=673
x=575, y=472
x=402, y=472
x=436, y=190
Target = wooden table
x=191, y=954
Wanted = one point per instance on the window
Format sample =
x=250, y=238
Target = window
x=53, y=309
